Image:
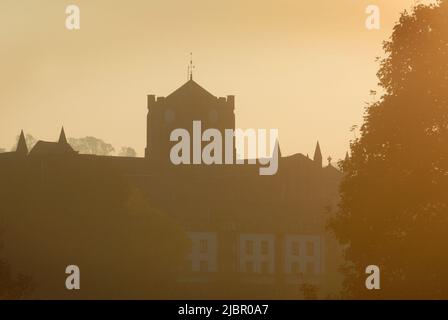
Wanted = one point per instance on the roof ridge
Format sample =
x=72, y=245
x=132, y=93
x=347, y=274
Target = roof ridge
x=189, y=84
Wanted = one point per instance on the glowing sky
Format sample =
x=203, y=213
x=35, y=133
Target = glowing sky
x=304, y=67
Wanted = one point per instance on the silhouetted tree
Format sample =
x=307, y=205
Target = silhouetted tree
x=309, y=291
x=91, y=145
x=13, y=287
x=127, y=152
x=394, y=196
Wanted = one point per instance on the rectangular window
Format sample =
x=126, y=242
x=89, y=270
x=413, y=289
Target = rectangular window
x=310, y=248
x=264, y=247
x=264, y=267
x=295, y=248
x=249, y=247
x=295, y=268
x=310, y=268
x=203, y=266
x=249, y=267
x=203, y=246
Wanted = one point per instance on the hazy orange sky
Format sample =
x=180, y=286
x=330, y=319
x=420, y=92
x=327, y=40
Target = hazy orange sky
x=304, y=67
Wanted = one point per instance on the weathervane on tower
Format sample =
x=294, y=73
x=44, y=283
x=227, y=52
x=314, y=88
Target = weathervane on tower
x=191, y=67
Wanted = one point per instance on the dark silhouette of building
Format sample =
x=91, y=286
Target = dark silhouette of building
x=45, y=148
x=247, y=230
x=178, y=110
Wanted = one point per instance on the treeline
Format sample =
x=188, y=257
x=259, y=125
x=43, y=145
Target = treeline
x=394, y=196
x=86, y=145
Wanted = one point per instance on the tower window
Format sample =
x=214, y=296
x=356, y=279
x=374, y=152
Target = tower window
x=169, y=115
x=213, y=115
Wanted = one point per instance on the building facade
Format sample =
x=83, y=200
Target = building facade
x=256, y=233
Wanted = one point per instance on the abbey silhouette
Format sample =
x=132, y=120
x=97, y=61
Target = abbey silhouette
x=260, y=231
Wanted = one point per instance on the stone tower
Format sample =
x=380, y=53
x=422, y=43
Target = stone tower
x=188, y=103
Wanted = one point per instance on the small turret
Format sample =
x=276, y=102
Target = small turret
x=317, y=156
x=329, y=160
x=62, y=137
x=22, y=148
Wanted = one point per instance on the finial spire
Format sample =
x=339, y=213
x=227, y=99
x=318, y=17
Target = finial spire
x=318, y=155
x=329, y=160
x=22, y=148
x=190, y=67
x=62, y=137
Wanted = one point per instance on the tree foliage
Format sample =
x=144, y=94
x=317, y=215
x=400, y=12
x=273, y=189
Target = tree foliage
x=127, y=152
x=91, y=145
x=394, y=196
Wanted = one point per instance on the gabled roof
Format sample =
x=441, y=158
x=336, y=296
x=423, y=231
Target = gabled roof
x=190, y=90
x=51, y=148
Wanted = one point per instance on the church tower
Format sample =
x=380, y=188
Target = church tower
x=189, y=103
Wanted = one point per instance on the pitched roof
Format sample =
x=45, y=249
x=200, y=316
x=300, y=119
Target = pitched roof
x=331, y=170
x=51, y=148
x=190, y=89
